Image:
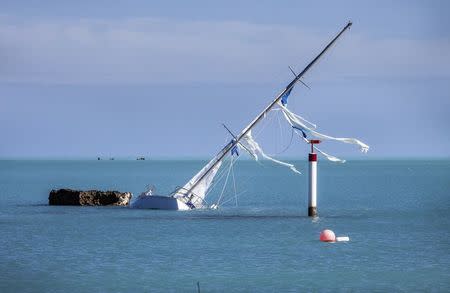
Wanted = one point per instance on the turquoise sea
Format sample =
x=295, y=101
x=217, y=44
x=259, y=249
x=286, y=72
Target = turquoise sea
x=396, y=213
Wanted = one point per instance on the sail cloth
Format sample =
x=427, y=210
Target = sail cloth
x=284, y=98
x=298, y=122
x=254, y=149
x=329, y=157
x=201, y=188
x=305, y=127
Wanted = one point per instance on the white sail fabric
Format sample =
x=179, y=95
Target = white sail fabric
x=328, y=156
x=254, y=149
x=297, y=122
x=201, y=188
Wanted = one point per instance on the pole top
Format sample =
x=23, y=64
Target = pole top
x=314, y=141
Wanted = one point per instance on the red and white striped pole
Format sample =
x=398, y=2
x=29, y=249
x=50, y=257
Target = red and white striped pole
x=312, y=193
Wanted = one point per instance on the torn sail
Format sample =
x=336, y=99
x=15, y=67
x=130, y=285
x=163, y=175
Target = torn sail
x=254, y=149
x=194, y=192
x=297, y=122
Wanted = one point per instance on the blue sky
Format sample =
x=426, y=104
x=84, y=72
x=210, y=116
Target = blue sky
x=129, y=78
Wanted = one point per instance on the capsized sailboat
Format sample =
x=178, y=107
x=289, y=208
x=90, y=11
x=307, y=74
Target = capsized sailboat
x=192, y=194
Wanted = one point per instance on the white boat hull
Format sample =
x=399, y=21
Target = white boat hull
x=158, y=202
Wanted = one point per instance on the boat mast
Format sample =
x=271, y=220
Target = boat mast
x=229, y=146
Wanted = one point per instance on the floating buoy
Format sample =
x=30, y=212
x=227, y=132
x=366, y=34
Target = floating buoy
x=327, y=236
x=342, y=239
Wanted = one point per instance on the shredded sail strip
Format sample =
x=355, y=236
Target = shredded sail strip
x=254, y=149
x=299, y=117
x=328, y=156
x=294, y=120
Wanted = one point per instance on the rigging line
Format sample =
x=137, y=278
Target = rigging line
x=279, y=125
x=288, y=146
x=234, y=185
x=220, y=176
x=232, y=160
x=240, y=193
x=218, y=179
x=249, y=178
x=267, y=122
x=290, y=140
x=222, y=171
x=234, y=137
x=237, y=195
x=224, y=185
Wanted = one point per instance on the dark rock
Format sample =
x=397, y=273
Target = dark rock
x=88, y=198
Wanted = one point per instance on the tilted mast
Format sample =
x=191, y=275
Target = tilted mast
x=230, y=145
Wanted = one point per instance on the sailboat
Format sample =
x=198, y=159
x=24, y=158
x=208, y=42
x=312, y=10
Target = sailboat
x=192, y=194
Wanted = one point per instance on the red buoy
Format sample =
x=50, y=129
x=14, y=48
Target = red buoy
x=327, y=236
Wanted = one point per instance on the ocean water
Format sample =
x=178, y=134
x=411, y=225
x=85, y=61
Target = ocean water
x=396, y=213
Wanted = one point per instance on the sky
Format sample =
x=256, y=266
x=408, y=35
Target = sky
x=158, y=78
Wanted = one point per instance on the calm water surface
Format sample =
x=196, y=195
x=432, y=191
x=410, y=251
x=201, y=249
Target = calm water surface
x=397, y=214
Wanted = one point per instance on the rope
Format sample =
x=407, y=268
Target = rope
x=237, y=195
x=265, y=125
x=290, y=140
x=234, y=185
x=216, y=181
x=281, y=130
x=225, y=184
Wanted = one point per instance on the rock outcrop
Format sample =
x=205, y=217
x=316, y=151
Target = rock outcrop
x=88, y=198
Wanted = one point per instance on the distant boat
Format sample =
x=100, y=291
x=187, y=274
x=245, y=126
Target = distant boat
x=140, y=158
x=192, y=194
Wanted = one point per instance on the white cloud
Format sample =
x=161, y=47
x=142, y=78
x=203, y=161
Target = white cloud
x=161, y=51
